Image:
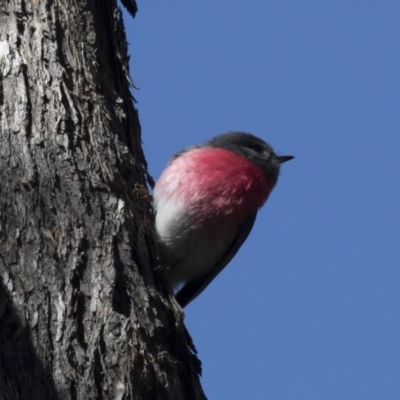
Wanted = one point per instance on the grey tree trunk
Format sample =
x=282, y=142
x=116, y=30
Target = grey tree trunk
x=83, y=313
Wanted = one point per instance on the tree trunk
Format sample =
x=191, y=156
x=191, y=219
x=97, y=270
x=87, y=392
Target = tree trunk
x=83, y=314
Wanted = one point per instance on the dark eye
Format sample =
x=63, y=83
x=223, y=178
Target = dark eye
x=258, y=148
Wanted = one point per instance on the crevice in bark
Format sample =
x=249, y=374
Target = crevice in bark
x=78, y=301
x=98, y=366
x=120, y=299
x=28, y=113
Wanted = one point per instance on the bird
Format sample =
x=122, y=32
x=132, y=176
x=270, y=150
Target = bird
x=205, y=202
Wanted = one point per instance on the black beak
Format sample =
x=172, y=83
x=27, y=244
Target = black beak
x=283, y=159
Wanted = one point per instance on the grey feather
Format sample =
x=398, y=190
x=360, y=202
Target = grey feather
x=191, y=290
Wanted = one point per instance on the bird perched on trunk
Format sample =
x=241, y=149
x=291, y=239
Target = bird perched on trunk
x=206, y=202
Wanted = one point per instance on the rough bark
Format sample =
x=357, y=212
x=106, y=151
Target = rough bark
x=83, y=313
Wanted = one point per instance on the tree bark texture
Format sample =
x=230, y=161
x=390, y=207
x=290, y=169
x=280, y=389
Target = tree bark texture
x=83, y=313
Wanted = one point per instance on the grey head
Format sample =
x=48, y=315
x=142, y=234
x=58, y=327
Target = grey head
x=254, y=149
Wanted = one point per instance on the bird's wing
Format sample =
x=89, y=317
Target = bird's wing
x=191, y=290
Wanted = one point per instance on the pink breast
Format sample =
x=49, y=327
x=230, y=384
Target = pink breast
x=215, y=182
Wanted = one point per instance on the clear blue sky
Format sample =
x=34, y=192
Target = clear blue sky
x=309, y=308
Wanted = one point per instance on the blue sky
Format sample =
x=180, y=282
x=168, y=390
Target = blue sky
x=309, y=308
